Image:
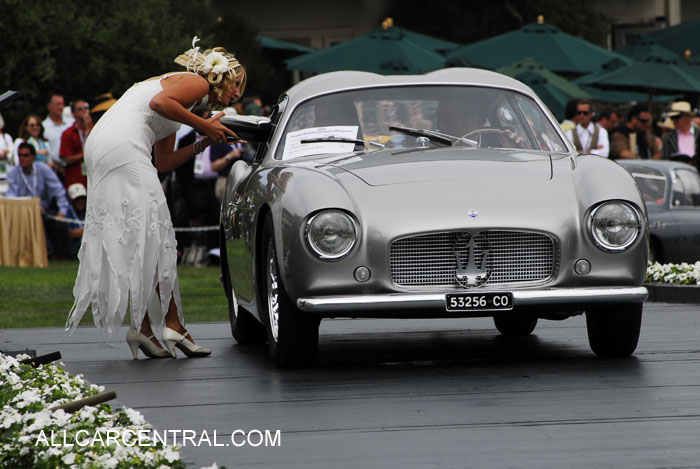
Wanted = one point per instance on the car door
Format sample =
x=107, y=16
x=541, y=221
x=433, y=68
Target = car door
x=685, y=210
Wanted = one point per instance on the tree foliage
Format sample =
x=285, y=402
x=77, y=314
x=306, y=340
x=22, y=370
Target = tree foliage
x=83, y=49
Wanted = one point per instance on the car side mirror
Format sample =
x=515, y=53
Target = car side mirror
x=254, y=129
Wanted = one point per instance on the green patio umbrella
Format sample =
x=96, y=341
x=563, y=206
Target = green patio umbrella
x=434, y=44
x=547, y=44
x=653, y=75
x=553, y=89
x=641, y=46
x=388, y=51
x=284, y=46
x=680, y=38
x=616, y=96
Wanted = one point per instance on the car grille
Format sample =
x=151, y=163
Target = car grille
x=430, y=260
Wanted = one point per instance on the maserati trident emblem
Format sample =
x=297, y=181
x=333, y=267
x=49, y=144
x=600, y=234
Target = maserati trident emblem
x=471, y=275
x=472, y=213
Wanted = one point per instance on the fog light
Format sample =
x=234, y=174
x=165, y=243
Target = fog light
x=582, y=267
x=362, y=274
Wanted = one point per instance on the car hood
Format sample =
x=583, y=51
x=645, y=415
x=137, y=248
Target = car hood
x=409, y=166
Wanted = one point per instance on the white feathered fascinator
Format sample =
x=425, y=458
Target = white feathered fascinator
x=212, y=64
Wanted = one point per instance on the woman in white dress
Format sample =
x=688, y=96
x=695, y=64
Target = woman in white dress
x=128, y=253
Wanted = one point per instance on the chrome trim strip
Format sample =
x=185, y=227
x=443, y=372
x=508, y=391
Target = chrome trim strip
x=532, y=297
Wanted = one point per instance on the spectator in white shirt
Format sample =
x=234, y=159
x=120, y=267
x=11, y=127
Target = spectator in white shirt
x=587, y=136
x=54, y=125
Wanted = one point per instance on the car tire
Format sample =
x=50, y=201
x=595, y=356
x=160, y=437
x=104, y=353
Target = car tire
x=244, y=327
x=613, y=330
x=510, y=325
x=292, y=335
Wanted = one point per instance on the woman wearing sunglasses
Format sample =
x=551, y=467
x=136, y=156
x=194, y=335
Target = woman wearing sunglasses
x=32, y=132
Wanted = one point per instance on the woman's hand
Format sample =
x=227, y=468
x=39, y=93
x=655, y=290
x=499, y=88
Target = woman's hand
x=215, y=130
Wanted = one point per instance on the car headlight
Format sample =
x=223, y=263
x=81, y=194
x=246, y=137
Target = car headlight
x=331, y=233
x=615, y=225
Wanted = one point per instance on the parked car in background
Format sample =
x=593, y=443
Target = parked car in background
x=671, y=191
x=450, y=194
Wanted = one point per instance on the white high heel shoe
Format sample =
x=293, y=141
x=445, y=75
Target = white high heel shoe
x=137, y=340
x=171, y=339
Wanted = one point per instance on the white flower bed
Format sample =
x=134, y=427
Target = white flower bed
x=682, y=274
x=31, y=435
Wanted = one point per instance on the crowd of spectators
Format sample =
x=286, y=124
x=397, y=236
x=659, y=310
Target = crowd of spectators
x=676, y=136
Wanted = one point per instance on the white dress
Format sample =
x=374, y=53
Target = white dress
x=128, y=246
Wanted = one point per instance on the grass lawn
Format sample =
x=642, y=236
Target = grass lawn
x=34, y=297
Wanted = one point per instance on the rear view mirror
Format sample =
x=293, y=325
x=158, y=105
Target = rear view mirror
x=254, y=129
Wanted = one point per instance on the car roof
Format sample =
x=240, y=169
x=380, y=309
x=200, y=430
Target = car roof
x=346, y=80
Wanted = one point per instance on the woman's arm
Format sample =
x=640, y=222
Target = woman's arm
x=221, y=163
x=179, y=93
x=168, y=159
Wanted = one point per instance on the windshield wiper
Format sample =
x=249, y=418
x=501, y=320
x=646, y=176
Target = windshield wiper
x=437, y=137
x=332, y=139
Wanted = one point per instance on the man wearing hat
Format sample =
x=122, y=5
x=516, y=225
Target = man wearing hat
x=102, y=103
x=78, y=199
x=683, y=143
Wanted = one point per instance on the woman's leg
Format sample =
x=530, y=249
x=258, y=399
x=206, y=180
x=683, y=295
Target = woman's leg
x=172, y=321
x=148, y=332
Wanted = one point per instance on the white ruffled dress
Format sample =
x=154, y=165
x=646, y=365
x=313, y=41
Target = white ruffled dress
x=128, y=247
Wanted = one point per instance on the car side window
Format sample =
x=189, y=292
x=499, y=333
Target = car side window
x=546, y=136
x=685, y=188
x=508, y=121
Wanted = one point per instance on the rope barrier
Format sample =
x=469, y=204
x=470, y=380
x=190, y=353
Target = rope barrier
x=190, y=229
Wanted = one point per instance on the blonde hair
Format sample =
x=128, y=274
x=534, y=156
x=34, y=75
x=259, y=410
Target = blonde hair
x=219, y=67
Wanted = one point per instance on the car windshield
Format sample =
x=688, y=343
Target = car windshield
x=484, y=117
x=652, y=184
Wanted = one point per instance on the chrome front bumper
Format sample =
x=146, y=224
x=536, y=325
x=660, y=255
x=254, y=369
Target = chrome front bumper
x=435, y=301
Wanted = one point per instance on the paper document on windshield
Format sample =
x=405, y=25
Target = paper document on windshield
x=293, y=148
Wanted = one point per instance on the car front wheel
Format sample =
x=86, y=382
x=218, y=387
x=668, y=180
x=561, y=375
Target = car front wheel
x=613, y=330
x=292, y=336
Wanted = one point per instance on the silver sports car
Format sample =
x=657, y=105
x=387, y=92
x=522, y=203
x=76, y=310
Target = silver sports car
x=451, y=194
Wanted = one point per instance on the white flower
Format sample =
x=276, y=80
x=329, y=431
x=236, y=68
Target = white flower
x=27, y=397
x=8, y=417
x=215, y=62
x=61, y=417
x=170, y=455
x=108, y=462
x=53, y=451
x=69, y=458
x=41, y=419
x=135, y=416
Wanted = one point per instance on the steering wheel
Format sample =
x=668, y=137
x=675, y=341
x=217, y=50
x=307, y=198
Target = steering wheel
x=489, y=131
x=485, y=130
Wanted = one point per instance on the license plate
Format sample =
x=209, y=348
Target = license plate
x=481, y=301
